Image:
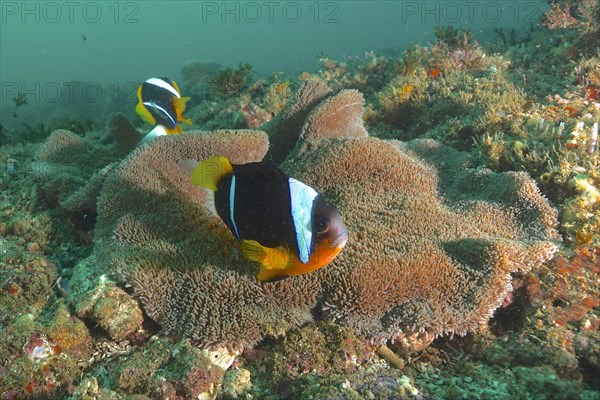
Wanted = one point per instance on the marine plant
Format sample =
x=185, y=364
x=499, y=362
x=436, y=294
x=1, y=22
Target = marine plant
x=454, y=38
x=584, y=16
x=230, y=82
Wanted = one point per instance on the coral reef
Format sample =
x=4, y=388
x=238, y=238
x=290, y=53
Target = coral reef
x=404, y=237
x=181, y=261
x=26, y=276
x=252, y=107
x=586, y=19
x=367, y=73
x=70, y=169
x=284, y=130
x=197, y=76
x=161, y=368
x=180, y=258
x=439, y=245
x=97, y=298
x=319, y=348
x=41, y=357
x=229, y=82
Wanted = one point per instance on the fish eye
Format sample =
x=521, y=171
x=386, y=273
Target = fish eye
x=321, y=226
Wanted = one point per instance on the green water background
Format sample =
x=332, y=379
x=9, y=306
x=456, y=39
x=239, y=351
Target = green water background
x=87, y=57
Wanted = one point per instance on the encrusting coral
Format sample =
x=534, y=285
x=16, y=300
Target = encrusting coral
x=433, y=241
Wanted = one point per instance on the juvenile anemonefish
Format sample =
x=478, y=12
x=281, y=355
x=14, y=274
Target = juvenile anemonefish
x=160, y=104
x=283, y=224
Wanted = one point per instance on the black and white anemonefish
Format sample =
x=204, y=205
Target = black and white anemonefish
x=160, y=104
x=283, y=224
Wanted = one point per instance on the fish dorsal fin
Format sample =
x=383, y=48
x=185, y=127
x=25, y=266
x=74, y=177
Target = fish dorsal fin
x=210, y=171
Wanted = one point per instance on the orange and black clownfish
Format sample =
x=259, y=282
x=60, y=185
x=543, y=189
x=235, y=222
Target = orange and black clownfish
x=283, y=224
x=160, y=104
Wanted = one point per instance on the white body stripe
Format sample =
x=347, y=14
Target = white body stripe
x=159, y=108
x=158, y=130
x=164, y=85
x=302, y=198
x=232, y=205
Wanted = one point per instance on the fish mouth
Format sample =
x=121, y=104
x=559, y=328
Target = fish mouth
x=340, y=240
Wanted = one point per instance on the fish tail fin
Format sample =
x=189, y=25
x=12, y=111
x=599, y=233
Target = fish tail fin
x=210, y=202
x=270, y=258
x=210, y=171
x=179, y=106
x=188, y=166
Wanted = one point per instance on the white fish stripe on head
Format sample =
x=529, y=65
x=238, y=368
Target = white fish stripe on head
x=159, y=108
x=302, y=198
x=232, y=205
x=164, y=85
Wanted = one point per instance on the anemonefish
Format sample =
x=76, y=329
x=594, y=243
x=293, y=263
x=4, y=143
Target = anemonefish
x=160, y=104
x=283, y=224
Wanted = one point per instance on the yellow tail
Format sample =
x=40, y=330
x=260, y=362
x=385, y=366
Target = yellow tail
x=210, y=171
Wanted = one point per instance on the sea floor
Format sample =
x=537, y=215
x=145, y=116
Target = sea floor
x=70, y=329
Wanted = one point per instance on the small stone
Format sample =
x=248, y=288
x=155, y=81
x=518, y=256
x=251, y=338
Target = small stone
x=33, y=246
x=117, y=313
x=236, y=383
x=20, y=227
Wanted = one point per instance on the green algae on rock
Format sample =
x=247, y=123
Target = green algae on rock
x=97, y=297
x=42, y=356
x=161, y=368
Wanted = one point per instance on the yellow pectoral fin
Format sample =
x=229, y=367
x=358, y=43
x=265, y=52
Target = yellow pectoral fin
x=210, y=171
x=270, y=258
x=144, y=113
x=271, y=275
